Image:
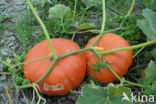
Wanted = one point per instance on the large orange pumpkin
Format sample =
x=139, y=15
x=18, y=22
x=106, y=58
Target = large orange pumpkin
x=67, y=72
x=120, y=60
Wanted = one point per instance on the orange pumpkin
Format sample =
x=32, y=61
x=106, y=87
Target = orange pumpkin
x=67, y=72
x=120, y=60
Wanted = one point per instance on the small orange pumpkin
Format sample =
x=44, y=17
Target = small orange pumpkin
x=120, y=60
x=67, y=72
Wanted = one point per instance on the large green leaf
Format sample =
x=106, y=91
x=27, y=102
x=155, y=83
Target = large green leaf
x=144, y=25
x=148, y=25
x=59, y=11
x=151, y=17
x=98, y=95
x=92, y=95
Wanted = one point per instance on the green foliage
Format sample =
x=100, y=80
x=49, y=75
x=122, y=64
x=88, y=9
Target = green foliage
x=99, y=65
x=149, y=4
x=59, y=11
x=98, y=95
x=129, y=29
x=149, y=78
x=150, y=71
x=148, y=25
x=16, y=70
x=60, y=21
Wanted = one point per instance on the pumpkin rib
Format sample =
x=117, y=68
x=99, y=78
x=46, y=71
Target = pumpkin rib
x=80, y=75
x=117, y=64
x=68, y=80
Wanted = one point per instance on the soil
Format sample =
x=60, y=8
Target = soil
x=10, y=10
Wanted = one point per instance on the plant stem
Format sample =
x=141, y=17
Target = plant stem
x=62, y=24
x=74, y=12
x=83, y=11
x=134, y=84
x=44, y=29
x=34, y=60
x=39, y=96
x=114, y=10
x=92, y=82
x=103, y=24
x=124, y=81
x=87, y=49
x=131, y=8
x=128, y=48
x=74, y=52
x=4, y=73
x=47, y=72
x=114, y=73
x=59, y=57
x=138, y=52
x=25, y=86
x=73, y=36
x=8, y=64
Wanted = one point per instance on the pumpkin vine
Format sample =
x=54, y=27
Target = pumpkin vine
x=44, y=29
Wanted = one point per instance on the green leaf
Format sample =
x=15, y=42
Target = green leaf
x=118, y=90
x=150, y=71
x=148, y=25
x=151, y=17
x=145, y=26
x=59, y=11
x=92, y=95
x=149, y=78
x=98, y=95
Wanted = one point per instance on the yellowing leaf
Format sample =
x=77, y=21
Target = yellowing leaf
x=86, y=26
